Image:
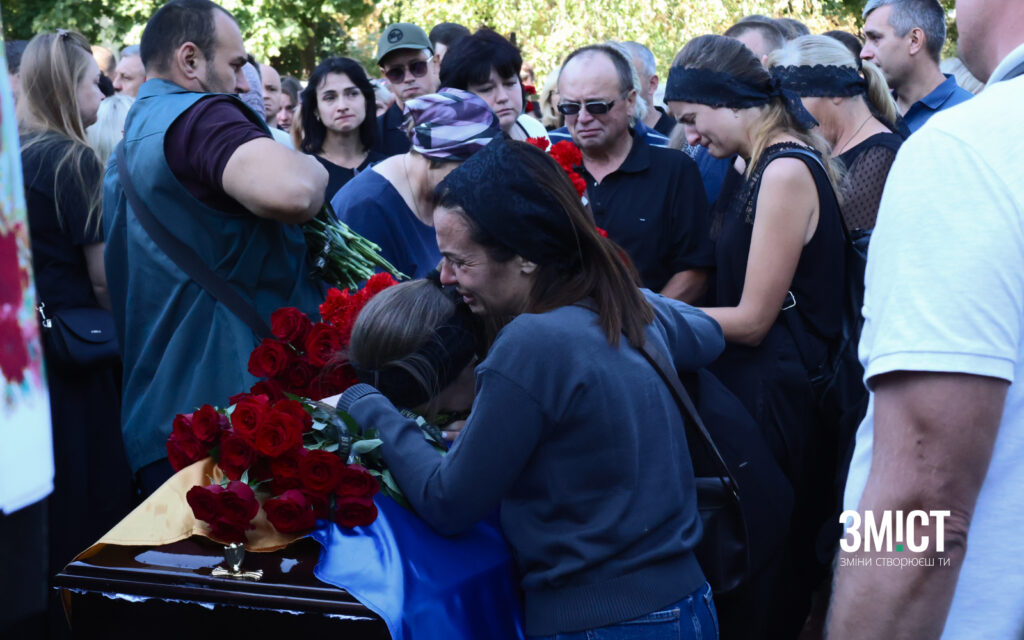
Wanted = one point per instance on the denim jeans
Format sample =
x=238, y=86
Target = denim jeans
x=692, y=618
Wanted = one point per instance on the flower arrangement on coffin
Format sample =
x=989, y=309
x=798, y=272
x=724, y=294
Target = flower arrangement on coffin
x=277, y=444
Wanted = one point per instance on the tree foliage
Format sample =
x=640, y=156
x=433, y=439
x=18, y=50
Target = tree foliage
x=295, y=34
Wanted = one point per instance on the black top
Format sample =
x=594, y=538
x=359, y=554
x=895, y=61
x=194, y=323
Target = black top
x=654, y=206
x=867, y=166
x=62, y=277
x=665, y=123
x=338, y=176
x=391, y=137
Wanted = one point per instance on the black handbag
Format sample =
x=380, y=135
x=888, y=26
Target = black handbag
x=744, y=499
x=82, y=336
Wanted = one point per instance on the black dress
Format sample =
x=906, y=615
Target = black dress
x=771, y=379
x=338, y=176
x=867, y=167
x=92, y=484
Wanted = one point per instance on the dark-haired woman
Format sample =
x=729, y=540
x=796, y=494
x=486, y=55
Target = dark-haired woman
x=338, y=122
x=488, y=65
x=572, y=432
x=779, y=251
x=60, y=97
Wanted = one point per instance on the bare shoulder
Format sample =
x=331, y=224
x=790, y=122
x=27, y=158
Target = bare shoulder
x=787, y=173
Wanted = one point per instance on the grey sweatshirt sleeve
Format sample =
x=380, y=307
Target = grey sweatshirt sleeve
x=453, y=492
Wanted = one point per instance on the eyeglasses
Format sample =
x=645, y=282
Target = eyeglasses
x=395, y=74
x=593, y=107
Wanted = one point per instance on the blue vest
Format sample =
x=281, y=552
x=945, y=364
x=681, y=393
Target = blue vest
x=182, y=348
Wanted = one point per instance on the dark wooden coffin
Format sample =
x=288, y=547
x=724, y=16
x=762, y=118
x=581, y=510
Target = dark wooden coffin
x=169, y=592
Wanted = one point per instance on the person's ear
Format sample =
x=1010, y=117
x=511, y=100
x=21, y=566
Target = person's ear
x=526, y=267
x=916, y=41
x=188, y=59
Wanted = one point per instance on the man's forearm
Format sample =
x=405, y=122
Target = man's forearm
x=687, y=286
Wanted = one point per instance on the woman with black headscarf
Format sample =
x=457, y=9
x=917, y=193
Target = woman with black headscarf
x=572, y=431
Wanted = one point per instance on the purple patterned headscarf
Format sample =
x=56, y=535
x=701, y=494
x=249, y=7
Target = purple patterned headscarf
x=450, y=125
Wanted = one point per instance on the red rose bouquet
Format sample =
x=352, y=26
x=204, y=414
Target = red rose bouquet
x=276, y=444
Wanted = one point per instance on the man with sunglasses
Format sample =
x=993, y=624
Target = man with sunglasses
x=649, y=199
x=406, y=59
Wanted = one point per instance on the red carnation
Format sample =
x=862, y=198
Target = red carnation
x=323, y=343
x=291, y=512
x=269, y=389
x=235, y=456
x=356, y=482
x=540, y=143
x=601, y=232
x=297, y=376
x=207, y=424
x=205, y=501
x=355, y=512
x=269, y=359
x=276, y=434
x=377, y=283
x=529, y=89
x=246, y=417
x=578, y=182
x=290, y=325
x=237, y=505
x=336, y=307
x=320, y=472
x=567, y=154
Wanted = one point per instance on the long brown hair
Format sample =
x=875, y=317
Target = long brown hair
x=52, y=67
x=598, y=270
x=727, y=55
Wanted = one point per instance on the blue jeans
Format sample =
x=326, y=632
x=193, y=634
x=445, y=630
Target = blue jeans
x=692, y=618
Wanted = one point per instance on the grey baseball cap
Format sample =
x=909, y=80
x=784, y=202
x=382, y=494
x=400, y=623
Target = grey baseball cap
x=402, y=35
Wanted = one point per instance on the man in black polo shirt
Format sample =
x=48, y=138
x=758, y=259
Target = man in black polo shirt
x=650, y=200
x=407, y=60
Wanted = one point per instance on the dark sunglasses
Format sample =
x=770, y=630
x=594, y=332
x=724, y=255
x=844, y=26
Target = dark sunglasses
x=593, y=107
x=418, y=69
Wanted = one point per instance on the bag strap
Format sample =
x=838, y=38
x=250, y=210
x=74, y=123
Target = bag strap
x=668, y=374
x=186, y=258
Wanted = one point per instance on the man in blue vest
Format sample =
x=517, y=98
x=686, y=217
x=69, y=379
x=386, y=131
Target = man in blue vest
x=207, y=169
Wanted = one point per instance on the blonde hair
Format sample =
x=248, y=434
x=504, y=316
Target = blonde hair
x=550, y=117
x=52, y=68
x=108, y=129
x=829, y=52
x=727, y=55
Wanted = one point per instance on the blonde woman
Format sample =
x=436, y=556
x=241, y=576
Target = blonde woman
x=857, y=115
x=779, y=251
x=60, y=98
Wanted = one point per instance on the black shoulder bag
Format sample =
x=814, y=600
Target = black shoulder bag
x=186, y=258
x=79, y=337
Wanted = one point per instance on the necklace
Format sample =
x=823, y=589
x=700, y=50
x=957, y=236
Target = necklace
x=408, y=183
x=850, y=139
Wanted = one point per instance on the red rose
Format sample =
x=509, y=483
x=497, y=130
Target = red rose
x=227, y=532
x=341, y=377
x=235, y=456
x=205, y=501
x=207, y=424
x=297, y=376
x=377, y=283
x=237, y=505
x=292, y=512
x=277, y=433
x=268, y=389
x=355, y=512
x=320, y=472
x=269, y=359
x=184, y=449
x=246, y=417
x=295, y=409
x=284, y=470
x=290, y=325
x=529, y=89
x=322, y=344
x=356, y=482
x=239, y=397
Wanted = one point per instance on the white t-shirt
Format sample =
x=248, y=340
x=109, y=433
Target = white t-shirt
x=945, y=292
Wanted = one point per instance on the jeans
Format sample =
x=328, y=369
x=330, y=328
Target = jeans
x=692, y=618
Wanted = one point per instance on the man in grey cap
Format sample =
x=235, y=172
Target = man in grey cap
x=406, y=59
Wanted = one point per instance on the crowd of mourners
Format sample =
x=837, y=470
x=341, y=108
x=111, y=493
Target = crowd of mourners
x=735, y=223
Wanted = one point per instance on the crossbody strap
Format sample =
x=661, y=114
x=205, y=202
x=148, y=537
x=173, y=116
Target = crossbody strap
x=668, y=374
x=186, y=258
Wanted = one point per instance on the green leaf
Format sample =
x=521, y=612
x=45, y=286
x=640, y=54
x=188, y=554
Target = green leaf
x=361, y=447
